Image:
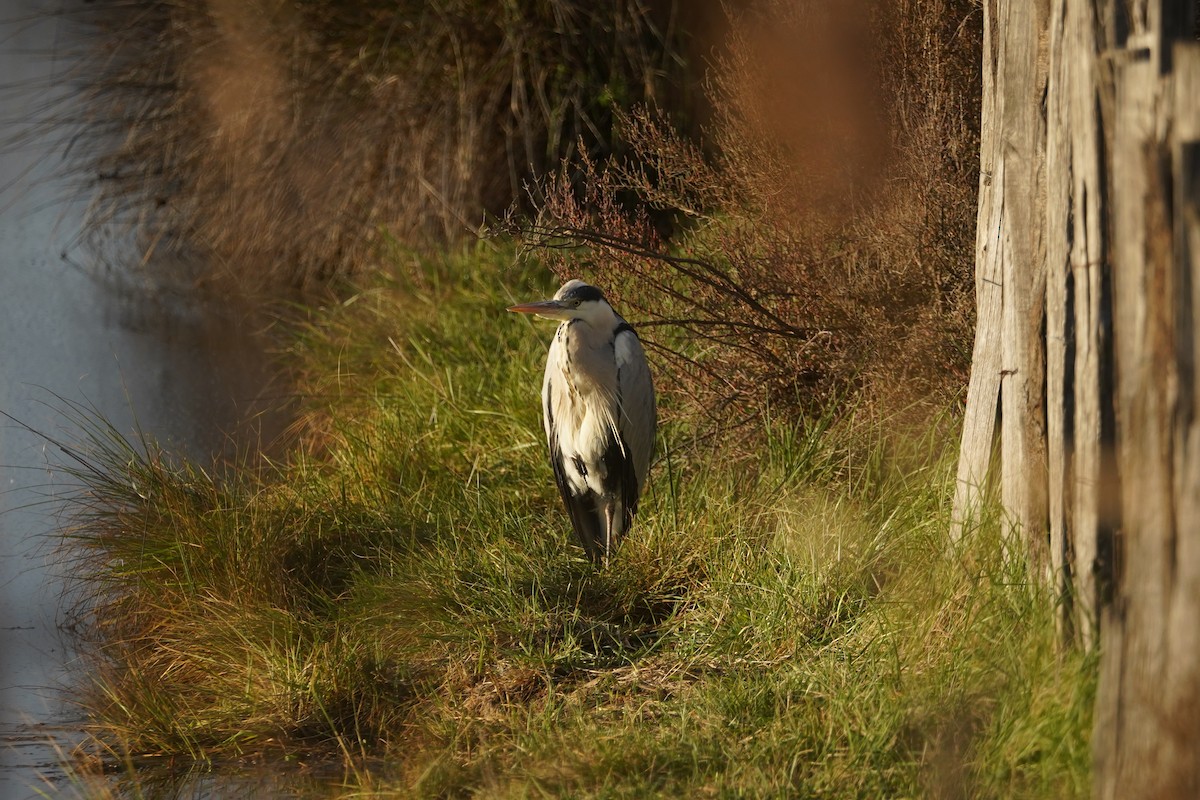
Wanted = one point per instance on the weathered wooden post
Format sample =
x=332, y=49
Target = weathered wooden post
x=1008, y=363
x=1088, y=290
x=1147, y=728
x=1080, y=424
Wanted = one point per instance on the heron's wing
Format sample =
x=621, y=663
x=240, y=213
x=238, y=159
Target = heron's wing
x=637, y=420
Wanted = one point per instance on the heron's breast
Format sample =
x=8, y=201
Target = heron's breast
x=589, y=362
x=581, y=413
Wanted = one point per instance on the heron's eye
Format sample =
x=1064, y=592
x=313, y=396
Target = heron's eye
x=576, y=302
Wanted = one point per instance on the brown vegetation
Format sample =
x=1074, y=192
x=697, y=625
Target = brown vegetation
x=822, y=241
x=279, y=141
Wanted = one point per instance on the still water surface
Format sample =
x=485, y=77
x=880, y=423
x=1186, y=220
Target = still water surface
x=186, y=373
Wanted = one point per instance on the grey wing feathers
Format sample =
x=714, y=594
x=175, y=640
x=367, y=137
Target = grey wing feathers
x=638, y=420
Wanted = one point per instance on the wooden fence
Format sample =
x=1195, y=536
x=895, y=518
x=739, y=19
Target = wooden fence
x=1087, y=285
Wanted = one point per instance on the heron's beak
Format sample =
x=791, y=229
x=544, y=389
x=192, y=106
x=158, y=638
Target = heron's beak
x=546, y=309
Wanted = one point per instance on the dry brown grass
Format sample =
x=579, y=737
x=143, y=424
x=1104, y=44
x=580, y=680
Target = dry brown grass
x=822, y=242
x=279, y=141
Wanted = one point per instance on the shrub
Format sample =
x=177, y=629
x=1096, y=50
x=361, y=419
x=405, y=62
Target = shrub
x=822, y=243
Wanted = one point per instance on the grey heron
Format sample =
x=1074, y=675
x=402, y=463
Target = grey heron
x=598, y=410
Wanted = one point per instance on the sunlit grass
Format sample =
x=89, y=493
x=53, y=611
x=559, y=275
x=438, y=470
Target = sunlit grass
x=402, y=593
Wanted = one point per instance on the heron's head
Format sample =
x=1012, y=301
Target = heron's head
x=575, y=300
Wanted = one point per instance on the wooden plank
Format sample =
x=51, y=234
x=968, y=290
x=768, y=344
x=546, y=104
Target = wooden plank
x=983, y=389
x=1089, y=266
x=1181, y=635
x=1059, y=296
x=1076, y=315
x=1148, y=704
x=1023, y=431
x=1138, y=661
x=1010, y=283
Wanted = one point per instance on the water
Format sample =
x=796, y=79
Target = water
x=186, y=374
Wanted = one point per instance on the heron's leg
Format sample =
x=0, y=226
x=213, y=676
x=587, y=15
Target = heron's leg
x=608, y=531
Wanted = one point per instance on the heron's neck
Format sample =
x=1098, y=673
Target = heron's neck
x=598, y=327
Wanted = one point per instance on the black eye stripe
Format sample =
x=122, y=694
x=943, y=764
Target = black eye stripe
x=581, y=294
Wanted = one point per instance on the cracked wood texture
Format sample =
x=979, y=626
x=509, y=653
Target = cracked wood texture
x=1084, y=362
x=1042, y=354
x=1080, y=422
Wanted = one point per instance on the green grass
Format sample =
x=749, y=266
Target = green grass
x=402, y=593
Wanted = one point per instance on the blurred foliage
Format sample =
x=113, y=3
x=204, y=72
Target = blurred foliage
x=275, y=141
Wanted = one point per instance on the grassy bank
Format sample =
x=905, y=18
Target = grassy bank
x=402, y=593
